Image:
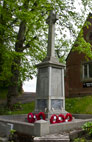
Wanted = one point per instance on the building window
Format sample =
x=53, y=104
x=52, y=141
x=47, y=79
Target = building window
x=87, y=70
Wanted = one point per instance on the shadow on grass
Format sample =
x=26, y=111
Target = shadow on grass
x=17, y=109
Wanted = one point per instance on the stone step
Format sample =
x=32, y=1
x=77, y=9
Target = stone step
x=51, y=140
x=3, y=139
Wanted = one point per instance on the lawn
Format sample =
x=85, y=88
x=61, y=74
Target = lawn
x=18, y=109
x=79, y=105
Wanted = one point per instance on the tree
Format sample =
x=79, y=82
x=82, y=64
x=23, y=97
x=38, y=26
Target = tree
x=23, y=37
x=17, y=18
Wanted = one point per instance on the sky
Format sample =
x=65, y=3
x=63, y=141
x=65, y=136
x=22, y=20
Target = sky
x=30, y=86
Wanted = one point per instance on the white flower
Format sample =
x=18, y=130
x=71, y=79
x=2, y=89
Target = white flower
x=54, y=117
x=29, y=116
x=60, y=118
x=66, y=120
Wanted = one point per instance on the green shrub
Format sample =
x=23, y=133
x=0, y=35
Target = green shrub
x=88, y=128
x=3, y=93
x=79, y=140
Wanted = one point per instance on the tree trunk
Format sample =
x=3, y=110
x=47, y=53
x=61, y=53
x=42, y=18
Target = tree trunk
x=13, y=89
x=13, y=86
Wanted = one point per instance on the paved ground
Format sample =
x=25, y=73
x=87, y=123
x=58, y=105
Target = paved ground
x=26, y=97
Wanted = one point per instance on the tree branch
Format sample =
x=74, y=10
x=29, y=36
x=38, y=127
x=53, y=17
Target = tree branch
x=28, y=44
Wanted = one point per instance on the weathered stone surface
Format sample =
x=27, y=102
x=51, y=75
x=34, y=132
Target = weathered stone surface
x=3, y=129
x=53, y=138
x=41, y=128
x=42, y=88
x=20, y=117
x=56, y=104
x=51, y=20
x=56, y=82
x=50, y=140
x=42, y=104
x=50, y=89
x=3, y=139
x=82, y=116
x=50, y=80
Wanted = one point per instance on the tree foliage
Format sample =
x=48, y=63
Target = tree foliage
x=82, y=43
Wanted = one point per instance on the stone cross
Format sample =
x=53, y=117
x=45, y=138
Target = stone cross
x=51, y=36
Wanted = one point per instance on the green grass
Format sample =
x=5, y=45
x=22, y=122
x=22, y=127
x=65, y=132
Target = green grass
x=26, y=108
x=19, y=109
x=81, y=105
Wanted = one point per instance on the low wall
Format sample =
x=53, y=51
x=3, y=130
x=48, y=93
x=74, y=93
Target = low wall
x=20, y=117
x=21, y=127
x=82, y=116
x=67, y=126
x=41, y=127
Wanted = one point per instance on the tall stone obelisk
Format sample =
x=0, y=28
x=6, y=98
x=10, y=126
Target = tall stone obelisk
x=50, y=95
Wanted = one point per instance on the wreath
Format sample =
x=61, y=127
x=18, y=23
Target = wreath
x=60, y=118
x=35, y=117
x=68, y=117
x=41, y=115
x=30, y=117
x=53, y=119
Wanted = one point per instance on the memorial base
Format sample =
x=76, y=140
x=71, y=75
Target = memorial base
x=50, y=95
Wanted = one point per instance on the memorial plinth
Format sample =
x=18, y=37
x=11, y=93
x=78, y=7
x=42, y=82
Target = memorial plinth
x=50, y=95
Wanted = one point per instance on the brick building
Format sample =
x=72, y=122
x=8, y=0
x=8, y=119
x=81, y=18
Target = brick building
x=78, y=78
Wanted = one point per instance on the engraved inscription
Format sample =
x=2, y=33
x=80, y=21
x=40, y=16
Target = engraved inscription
x=42, y=87
x=56, y=86
x=56, y=104
x=41, y=103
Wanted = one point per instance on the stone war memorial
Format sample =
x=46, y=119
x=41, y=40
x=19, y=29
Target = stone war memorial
x=50, y=100
x=50, y=95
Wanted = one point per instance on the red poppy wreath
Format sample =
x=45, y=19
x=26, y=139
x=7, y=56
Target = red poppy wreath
x=60, y=118
x=41, y=115
x=53, y=119
x=68, y=117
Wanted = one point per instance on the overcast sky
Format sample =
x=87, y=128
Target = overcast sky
x=30, y=86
